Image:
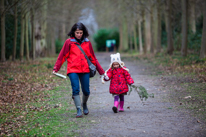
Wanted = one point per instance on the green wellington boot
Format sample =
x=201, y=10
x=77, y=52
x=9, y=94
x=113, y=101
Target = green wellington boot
x=84, y=104
x=77, y=103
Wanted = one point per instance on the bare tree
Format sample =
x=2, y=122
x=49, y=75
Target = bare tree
x=15, y=31
x=140, y=20
x=27, y=36
x=22, y=32
x=123, y=29
x=192, y=20
x=157, y=26
x=135, y=36
x=33, y=44
x=140, y=36
x=184, y=27
x=170, y=47
x=147, y=27
x=3, y=32
x=203, y=43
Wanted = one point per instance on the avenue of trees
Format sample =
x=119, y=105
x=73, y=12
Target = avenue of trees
x=30, y=28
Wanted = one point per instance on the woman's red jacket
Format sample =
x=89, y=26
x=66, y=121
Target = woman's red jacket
x=76, y=62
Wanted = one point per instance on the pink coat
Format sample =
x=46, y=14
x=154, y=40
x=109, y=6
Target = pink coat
x=120, y=79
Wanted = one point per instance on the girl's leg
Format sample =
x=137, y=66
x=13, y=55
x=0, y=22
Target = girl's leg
x=116, y=103
x=121, y=104
x=84, y=79
x=74, y=78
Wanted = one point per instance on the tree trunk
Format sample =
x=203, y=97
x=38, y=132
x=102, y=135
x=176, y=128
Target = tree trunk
x=51, y=39
x=33, y=45
x=159, y=30
x=147, y=31
x=125, y=34
x=62, y=32
x=22, y=37
x=135, y=37
x=130, y=41
x=3, y=33
x=44, y=29
x=26, y=37
x=152, y=30
x=121, y=37
x=192, y=16
x=170, y=47
x=15, y=32
x=184, y=28
x=53, y=49
x=140, y=36
x=203, y=42
x=166, y=15
x=155, y=26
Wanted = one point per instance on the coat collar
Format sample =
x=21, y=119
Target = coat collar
x=74, y=40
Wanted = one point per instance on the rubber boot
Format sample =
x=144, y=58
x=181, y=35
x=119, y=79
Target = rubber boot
x=84, y=104
x=115, y=107
x=77, y=103
x=121, y=105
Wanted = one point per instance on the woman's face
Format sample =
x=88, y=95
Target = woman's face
x=78, y=33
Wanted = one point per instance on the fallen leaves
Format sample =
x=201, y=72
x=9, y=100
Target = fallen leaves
x=20, y=84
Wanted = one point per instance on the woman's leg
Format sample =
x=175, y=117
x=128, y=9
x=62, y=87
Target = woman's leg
x=84, y=79
x=74, y=78
x=121, y=104
x=116, y=103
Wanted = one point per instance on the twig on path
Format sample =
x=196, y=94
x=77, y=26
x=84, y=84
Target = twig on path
x=141, y=91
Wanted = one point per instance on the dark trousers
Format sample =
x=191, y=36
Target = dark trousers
x=84, y=80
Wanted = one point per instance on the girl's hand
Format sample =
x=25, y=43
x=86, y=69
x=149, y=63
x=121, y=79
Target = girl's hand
x=106, y=77
x=53, y=72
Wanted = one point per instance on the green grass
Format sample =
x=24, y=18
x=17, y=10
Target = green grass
x=49, y=120
x=44, y=107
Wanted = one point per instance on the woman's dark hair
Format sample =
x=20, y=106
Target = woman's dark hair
x=79, y=26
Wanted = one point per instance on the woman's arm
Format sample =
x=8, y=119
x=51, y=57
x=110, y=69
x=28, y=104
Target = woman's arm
x=64, y=53
x=99, y=67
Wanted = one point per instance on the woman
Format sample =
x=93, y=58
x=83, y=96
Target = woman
x=77, y=66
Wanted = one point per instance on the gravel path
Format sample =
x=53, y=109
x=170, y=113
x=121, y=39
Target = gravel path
x=156, y=117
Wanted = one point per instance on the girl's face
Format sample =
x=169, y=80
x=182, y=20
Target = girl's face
x=78, y=33
x=115, y=65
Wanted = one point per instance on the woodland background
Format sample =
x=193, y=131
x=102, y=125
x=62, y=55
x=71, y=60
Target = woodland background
x=34, y=28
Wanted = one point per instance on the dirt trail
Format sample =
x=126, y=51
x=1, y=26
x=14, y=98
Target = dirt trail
x=154, y=118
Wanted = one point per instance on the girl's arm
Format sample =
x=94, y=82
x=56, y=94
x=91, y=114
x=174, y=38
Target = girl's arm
x=64, y=53
x=128, y=77
x=99, y=67
x=109, y=74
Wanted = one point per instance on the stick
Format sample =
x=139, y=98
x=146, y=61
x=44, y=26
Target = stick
x=60, y=75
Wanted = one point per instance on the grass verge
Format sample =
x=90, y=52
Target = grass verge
x=33, y=102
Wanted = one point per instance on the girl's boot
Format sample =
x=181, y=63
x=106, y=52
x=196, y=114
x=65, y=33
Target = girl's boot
x=77, y=103
x=115, y=107
x=84, y=104
x=121, y=105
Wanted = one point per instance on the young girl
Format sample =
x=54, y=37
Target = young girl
x=120, y=79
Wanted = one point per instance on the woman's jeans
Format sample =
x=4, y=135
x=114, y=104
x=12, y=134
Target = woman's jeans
x=84, y=80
